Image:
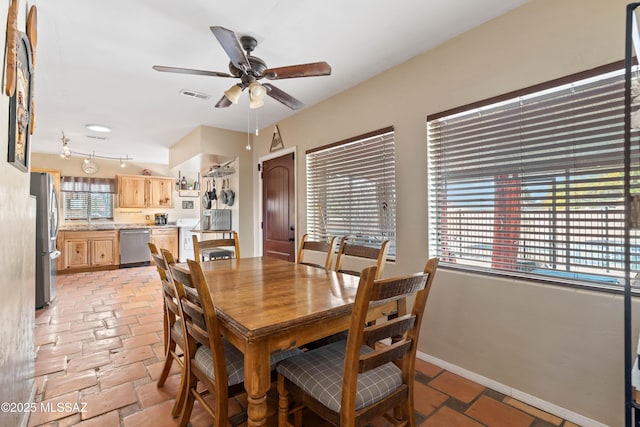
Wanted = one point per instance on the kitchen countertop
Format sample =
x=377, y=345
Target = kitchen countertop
x=110, y=226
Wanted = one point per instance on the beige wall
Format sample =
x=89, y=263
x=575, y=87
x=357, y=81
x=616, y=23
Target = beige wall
x=17, y=263
x=561, y=346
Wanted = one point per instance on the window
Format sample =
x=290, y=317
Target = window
x=533, y=186
x=351, y=190
x=87, y=198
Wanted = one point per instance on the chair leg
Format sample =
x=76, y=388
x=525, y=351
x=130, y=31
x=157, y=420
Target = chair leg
x=167, y=363
x=183, y=391
x=283, y=403
x=189, y=400
x=166, y=331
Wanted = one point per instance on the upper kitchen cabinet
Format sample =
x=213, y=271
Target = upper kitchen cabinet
x=160, y=192
x=139, y=191
x=132, y=191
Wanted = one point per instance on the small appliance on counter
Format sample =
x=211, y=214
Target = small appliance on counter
x=161, y=218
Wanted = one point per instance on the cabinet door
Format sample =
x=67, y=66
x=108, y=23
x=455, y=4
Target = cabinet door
x=166, y=239
x=132, y=191
x=60, y=247
x=102, y=251
x=76, y=253
x=160, y=192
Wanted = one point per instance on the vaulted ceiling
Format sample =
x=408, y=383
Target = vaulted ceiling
x=94, y=59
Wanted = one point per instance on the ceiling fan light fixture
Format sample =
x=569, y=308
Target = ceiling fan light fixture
x=255, y=103
x=233, y=93
x=257, y=91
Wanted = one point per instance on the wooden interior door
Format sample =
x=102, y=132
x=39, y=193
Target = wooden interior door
x=278, y=208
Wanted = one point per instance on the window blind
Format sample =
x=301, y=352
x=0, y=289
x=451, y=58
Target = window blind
x=351, y=190
x=533, y=186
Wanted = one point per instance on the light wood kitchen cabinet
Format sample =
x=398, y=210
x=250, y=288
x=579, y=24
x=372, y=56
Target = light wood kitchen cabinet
x=90, y=249
x=161, y=192
x=165, y=238
x=132, y=191
x=140, y=191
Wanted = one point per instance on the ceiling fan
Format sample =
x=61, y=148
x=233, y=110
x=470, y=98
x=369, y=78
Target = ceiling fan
x=249, y=69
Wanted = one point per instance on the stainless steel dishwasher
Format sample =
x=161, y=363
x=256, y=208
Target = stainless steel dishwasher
x=134, y=251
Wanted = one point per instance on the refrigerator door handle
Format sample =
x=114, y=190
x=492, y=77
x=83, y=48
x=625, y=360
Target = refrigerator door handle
x=57, y=210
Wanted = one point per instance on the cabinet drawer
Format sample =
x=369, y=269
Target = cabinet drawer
x=164, y=231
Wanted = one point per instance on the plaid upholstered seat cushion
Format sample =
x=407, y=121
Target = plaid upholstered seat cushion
x=319, y=374
x=177, y=330
x=234, y=360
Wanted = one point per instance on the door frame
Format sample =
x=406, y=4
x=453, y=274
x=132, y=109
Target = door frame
x=274, y=155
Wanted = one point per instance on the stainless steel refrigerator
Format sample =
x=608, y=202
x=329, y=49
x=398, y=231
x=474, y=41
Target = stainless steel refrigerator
x=47, y=224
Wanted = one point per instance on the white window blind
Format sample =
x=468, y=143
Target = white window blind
x=351, y=190
x=534, y=186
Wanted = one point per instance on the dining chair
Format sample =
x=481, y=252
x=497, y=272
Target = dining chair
x=348, y=252
x=209, y=356
x=313, y=247
x=350, y=382
x=215, y=248
x=172, y=329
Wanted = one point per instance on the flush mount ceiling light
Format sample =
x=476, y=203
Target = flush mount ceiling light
x=98, y=128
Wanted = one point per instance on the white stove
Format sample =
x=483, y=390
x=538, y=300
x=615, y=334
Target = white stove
x=185, y=231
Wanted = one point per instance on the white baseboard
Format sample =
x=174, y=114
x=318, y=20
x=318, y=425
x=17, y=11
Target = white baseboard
x=536, y=402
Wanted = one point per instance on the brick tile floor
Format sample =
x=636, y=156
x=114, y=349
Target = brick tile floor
x=100, y=353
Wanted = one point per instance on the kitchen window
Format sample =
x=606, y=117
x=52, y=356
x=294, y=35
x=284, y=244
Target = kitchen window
x=87, y=198
x=351, y=190
x=533, y=185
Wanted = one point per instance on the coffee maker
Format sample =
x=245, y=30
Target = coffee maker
x=161, y=218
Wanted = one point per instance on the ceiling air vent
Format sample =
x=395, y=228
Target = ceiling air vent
x=101, y=138
x=194, y=94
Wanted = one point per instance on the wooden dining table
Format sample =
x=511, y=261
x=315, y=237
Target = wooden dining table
x=265, y=304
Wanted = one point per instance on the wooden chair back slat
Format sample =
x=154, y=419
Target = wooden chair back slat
x=347, y=249
x=391, y=328
x=381, y=356
x=199, y=246
x=316, y=246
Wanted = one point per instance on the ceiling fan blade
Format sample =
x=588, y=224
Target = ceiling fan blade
x=223, y=102
x=231, y=45
x=301, y=70
x=282, y=97
x=190, y=71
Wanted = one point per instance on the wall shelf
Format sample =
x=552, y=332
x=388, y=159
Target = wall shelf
x=188, y=193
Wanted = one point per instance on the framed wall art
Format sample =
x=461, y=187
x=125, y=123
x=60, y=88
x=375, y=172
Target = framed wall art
x=276, y=140
x=20, y=107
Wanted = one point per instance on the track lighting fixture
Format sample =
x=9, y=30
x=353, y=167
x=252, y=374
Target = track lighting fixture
x=67, y=153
